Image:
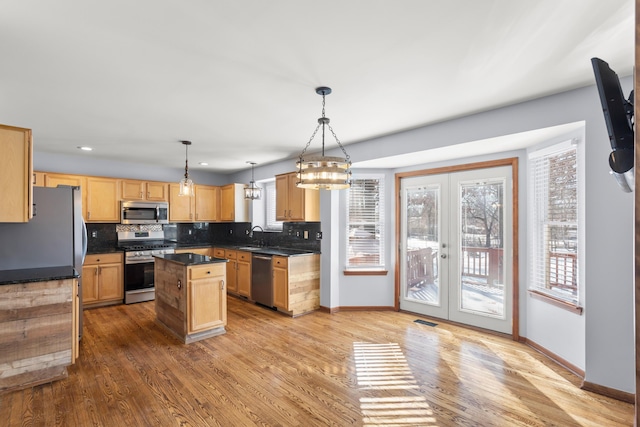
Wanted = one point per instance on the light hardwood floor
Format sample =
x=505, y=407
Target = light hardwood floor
x=348, y=368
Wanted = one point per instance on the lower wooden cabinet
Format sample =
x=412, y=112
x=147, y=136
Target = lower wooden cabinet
x=238, y=270
x=243, y=274
x=102, y=279
x=280, y=283
x=207, y=298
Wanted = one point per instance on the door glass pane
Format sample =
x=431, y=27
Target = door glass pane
x=481, y=248
x=422, y=240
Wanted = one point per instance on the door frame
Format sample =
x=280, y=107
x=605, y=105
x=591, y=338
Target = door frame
x=511, y=161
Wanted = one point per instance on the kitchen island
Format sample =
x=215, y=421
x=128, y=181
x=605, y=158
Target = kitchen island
x=39, y=324
x=190, y=295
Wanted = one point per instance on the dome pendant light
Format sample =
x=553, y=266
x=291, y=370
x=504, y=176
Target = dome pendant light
x=252, y=191
x=186, y=184
x=320, y=171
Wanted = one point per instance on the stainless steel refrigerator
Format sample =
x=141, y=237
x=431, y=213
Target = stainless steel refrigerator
x=55, y=236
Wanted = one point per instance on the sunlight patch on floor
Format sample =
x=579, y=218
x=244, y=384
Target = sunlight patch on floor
x=385, y=377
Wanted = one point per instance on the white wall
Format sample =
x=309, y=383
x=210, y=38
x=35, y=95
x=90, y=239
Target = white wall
x=601, y=340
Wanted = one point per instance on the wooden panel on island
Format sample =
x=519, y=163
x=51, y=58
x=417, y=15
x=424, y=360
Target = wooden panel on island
x=296, y=284
x=38, y=332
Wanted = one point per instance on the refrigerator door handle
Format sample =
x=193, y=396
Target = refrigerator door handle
x=85, y=239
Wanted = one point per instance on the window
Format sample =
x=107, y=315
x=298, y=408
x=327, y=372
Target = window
x=264, y=209
x=365, y=223
x=554, y=229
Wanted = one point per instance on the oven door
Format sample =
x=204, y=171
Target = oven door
x=138, y=276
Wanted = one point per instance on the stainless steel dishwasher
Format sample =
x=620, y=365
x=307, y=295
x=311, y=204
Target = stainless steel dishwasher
x=261, y=280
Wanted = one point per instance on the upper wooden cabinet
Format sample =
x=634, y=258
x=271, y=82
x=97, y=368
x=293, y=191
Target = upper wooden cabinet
x=233, y=205
x=202, y=207
x=293, y=203
x=207, y=200
x=16, y=168
x=103, y=200
x=144, y=190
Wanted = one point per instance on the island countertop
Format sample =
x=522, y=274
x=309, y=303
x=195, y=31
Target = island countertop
x=189, y=259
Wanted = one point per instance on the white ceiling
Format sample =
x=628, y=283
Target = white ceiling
x=238, y=78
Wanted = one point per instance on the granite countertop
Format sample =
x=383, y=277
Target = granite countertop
x=270, y=250
x=41, y=274
x=264, y=250
x=188, y=259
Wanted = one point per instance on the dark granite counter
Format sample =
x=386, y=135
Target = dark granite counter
x=42, y=274
x=190, y=259
x=269, y=250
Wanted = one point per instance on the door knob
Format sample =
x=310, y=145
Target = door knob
x=443, y=256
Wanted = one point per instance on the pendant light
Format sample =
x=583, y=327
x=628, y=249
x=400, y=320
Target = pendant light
x=252, y=191
x=186, y=184
x=320, y=171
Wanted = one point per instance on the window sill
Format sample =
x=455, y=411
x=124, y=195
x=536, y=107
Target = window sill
x=566, y=305
x=365, y=272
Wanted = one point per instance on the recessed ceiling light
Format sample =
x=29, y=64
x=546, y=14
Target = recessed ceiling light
x=203, y=164
x=85, y=148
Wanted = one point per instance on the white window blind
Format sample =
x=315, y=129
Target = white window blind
x=553, y=231
x=270, y=207
x=365, y=223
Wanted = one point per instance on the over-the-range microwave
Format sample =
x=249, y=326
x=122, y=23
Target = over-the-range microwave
x=144, y=212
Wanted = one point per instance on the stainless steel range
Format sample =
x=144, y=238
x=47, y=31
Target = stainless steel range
x=139, y=248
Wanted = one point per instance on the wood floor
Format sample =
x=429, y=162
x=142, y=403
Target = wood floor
x=348, y=368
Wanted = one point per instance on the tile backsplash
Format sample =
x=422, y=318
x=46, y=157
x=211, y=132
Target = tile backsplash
x=299, y=235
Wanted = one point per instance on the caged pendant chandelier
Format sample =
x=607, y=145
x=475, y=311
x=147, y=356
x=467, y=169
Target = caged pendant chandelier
x=186, y=184
x=252, y=191
x=320, y=171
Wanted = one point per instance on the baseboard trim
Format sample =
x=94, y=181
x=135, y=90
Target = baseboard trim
x=355, y=308
x=559, y=360
x=586, y=385
x=608, y=391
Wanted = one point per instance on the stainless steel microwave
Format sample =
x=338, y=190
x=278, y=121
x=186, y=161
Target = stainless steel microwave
x=144, y=212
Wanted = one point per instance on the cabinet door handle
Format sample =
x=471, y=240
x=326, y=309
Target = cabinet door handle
x=222, y=285
x=141, y=195
x=179, y=284
x=88, y=215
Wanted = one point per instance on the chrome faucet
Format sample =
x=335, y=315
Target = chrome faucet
x=254, y=227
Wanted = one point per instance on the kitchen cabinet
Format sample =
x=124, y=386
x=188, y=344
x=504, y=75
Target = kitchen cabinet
x=233, y=205
x=232, y=270
x=238, y=270
x=191, y=295
x=100, y=196
x=293, y=203
x=16, y=168
x=201, y=207
x=296, y=283
x=243, y=274
x=207, y=299
x=102, y=279
x=207, y=198
x=103, y=200
x=144, y=190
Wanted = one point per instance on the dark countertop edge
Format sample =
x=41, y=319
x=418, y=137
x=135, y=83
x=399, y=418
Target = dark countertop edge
x=188, y=259
x=40, y=274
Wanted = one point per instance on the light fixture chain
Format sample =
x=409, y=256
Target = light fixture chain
x=310, y=139
x=339, y=143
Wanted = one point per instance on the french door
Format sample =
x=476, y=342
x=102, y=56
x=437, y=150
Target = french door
x=456, y=247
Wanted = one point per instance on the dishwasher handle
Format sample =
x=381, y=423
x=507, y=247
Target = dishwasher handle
x=267, y=258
